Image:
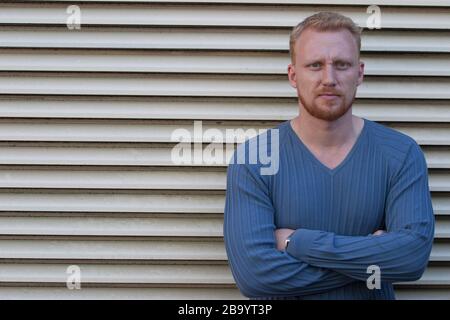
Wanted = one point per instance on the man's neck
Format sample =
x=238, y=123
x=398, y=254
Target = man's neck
x=322, y=134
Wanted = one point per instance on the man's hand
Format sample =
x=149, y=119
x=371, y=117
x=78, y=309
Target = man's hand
x=379, y=232
x=281, y=235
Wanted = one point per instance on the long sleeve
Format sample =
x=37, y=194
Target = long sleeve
x=260, y=270
x=402, y=253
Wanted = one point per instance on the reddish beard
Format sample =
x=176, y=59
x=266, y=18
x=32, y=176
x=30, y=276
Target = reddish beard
x=328, y=115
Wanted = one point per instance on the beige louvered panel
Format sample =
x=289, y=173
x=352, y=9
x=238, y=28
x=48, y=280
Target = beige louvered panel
x=439, y=181
x=437, y=157
x=149, y=274
x=151, y=178
x=206, y=38
x=131, y=203
x=441, y=204
x=165, y=293
x=201, y=179
x=125, y=203
x=177, y=226
x=442, y=229
x=404, y=111
x=122, y=248
x=213, y=15
x=209, y=108
x=120, y=274
x=425, y=64
x=132, y=249
x=86, y=175
x=156, y=155
x=440, y=252
x=204, y=62
x=162, y=131
x=423, y=294
x=208, y=85
x=434, y=275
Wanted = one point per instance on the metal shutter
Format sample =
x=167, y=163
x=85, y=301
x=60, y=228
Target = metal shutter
x=86, y=119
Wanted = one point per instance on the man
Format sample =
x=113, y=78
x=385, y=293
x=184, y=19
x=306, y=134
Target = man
x=350, y=199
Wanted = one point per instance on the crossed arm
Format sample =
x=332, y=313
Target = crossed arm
x=282, y=234
x=317, y=261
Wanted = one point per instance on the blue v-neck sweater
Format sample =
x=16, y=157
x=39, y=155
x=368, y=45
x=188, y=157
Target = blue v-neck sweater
x=381, y=184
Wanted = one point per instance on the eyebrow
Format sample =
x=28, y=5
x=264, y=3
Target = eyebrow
x=334, y=61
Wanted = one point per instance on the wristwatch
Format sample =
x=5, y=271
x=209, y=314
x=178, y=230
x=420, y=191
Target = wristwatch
x=286, y=243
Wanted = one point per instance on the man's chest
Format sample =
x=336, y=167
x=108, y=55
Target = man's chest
x=350, y=201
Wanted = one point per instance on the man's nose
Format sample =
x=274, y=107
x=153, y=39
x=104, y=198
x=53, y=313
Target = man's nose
x=328, y=76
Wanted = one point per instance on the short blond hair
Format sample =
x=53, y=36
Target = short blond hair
x=324, y=21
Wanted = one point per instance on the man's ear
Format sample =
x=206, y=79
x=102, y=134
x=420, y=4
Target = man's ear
x=360, y=72
x=292, y=75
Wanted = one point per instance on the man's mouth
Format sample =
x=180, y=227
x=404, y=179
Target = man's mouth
x=328, y=95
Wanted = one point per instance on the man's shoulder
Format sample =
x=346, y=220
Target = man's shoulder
x=389, y=134
x=392, y=143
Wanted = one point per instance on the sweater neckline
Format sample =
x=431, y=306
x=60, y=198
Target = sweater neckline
x=311, y=155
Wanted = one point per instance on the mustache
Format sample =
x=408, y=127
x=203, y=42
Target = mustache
x=329, y=92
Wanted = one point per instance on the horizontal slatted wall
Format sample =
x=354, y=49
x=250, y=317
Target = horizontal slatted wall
x=87, y=115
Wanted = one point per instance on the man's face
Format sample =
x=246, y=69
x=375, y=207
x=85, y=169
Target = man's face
x=326, y=73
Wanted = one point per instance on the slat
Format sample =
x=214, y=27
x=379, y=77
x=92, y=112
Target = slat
x=424, y=134
x=49, y=293
x=151, y=178
x=135, y=131
x=105, y=203
x=437, y=158
x=443, y=3
x=249, y=86
x=209, y=108
x=206, y=38
x=178, y=226
x=157, y=293
x=208, y=85
x=441, y=204
x=403, y=110
x=157, y=274
x=136, y=250
x=442, y=228
x=204, y=62
x=167, y=249
x=423, y=294
x=89, y=226
x=439, y=181
x=134, y=202
x=216, y=15
x=120, y=179
x=119, y=274
x=415, y=64
x=440, y=252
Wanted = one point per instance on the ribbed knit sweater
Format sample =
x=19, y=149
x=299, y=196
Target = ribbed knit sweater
x=381, y=184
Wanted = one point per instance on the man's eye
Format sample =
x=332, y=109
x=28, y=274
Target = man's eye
x=315, y=65
x=342, y=65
